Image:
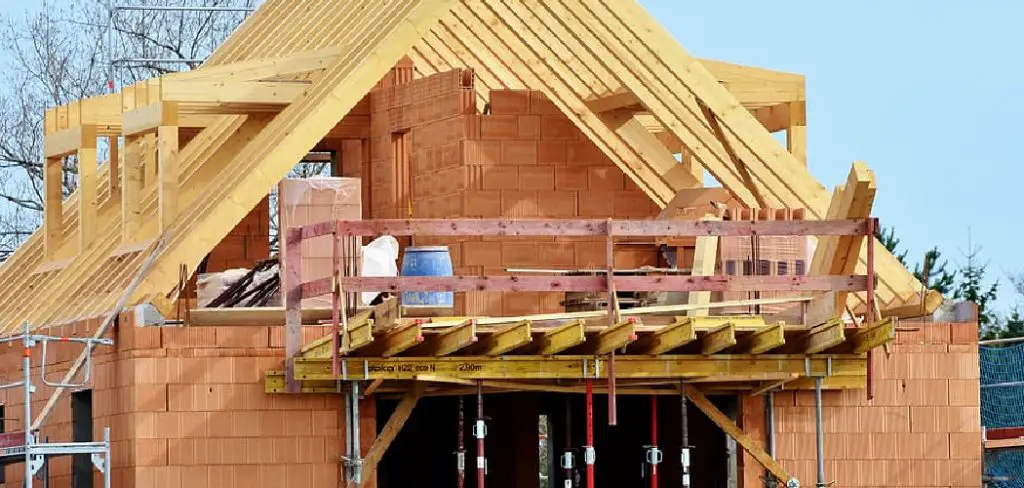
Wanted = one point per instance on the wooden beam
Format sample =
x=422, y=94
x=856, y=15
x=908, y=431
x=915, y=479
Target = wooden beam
x=766, y=339
x=561, y=338
x=617, y=100
x=796, y=132
x=388, y=433
x=732, y=430
x=874, y=335
x=835, y=254
x=150, y=157
x=449, y=341
x=321, y=348
x=396, y=340
x=536, y=367
x=672, y=336
x=262, y=68
x=149, y=118
x=169, y=172
x=114, y=165
x=131, y=188
x=236, y=93
x=705, y=257
x=754, y=86
x=824, y=337
x=590, y=283
x=53, y=206
x=770, y=385
x=718, y=339
x=66, y=142
x=506, y=339
x=614, y=337
x=87, y=188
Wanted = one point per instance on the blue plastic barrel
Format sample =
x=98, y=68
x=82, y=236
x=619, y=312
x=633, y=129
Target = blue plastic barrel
x=427, y=261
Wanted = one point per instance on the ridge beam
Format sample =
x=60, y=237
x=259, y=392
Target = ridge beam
x=718, y=339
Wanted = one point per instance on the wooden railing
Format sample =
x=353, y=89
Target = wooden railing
x=295, y=289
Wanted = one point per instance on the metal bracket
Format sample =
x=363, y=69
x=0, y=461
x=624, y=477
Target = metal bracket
x=98, y=462
x=589, y=454
x=479, y=429
x=793, y=483
x=654, y=455
x=35, y=463
x=568, y=461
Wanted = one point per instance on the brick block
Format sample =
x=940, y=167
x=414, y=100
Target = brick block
x=633, y=258
x=936, y=333
x=965, y=445
x=481, y=152
x=596, y=203
x=534, y=178
x=500, y=177
x=519, y=204
x=529, y=127
x=557, y=254
x=187, y=337
x=557, y=204
x=519, y=254
x=510, y=102
x=482, y=253
x=571, y=178
x=590, y=254
x=522, y=303
x=551, y=152
x=484, y=204
x=236, y=336
x=539, y=104
x=518, y=152
x=964, y=393
x=632, y=204
x=499, y=127
x=926, y=392
x=558, y=127
x=584, y=153
x=965, y=333
x=606, y=178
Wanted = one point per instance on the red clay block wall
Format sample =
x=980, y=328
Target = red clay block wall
x=187, y=408
x=522, y=160
x=922, y=429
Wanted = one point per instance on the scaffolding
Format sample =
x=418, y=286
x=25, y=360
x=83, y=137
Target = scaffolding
x=116, y=10
x=25, y=446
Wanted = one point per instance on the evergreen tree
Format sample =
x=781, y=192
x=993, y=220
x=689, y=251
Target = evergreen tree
x=972, y=288
x=887, y=236
x=938, y=277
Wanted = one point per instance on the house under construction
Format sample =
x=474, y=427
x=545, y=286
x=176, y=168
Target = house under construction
x=581, y=289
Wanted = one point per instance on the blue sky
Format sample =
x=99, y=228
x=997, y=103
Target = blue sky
x=927, y=93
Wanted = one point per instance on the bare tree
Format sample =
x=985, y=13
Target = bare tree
x=59, y=52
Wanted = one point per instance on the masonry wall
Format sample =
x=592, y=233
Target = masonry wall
x=922, y=429
x=187, y=408
x=246, y=244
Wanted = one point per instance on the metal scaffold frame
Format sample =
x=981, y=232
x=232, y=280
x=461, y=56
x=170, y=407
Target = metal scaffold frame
x=114, y=10
x=24, y=445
